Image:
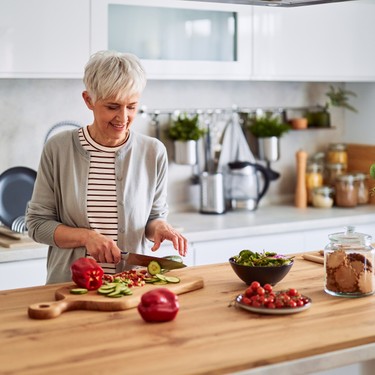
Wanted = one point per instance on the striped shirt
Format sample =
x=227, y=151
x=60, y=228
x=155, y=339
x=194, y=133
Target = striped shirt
x=101, y=190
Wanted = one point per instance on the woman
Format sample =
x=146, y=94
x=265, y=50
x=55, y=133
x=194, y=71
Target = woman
x=102, y=188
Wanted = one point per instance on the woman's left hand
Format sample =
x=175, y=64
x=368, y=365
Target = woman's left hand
x=160, y=230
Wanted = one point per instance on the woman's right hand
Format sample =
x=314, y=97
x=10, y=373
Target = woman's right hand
x=100, y=247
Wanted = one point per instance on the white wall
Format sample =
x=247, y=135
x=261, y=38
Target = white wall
x=30, y=107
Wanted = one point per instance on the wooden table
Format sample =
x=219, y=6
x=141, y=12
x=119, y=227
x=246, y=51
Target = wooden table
x=207, y=337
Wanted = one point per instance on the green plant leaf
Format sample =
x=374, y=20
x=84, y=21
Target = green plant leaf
x=186, y=128
x=268, y=126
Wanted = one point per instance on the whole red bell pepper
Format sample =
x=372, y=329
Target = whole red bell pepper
x=87, y=273
x=158, y=305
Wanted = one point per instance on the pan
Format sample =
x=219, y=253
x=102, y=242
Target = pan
x=16, y=188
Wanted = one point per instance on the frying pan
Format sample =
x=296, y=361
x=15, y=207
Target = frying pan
x=16, y=188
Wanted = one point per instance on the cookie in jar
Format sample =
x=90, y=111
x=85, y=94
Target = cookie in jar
x=348, y=263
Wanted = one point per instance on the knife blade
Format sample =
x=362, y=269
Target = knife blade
x=144, y=260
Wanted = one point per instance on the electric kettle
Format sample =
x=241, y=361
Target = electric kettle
x=246, y=185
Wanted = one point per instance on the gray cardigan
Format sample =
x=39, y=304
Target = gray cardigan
x=60, y=191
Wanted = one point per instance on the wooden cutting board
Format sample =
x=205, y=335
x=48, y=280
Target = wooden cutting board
x=65, y=301
x=18, y=243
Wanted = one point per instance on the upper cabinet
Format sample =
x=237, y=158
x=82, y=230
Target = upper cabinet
x=177, y=39
x=327, y=42
x=44, y=38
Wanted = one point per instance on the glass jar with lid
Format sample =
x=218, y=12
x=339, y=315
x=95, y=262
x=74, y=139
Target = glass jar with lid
x=322, y=197
x=362, y=188
x=348, y=264
x=346, y=190
x=314, y=178
x=332, y=171
x=337, y=153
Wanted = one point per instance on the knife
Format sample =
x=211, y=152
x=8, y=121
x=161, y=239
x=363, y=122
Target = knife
x=144, y=260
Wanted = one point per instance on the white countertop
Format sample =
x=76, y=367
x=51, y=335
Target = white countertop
x=269, y=220
x=198, y=227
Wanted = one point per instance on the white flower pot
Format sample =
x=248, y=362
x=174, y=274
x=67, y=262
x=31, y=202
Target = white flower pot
x=185, y=152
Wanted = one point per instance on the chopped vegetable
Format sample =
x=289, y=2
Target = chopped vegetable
x=78, y=291
x=154, y=267
x=87, y=273
x=158, y=305
x=270, y=259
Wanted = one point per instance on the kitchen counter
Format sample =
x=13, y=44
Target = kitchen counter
x=236, y=224
x=207, y=337
x=268, y=220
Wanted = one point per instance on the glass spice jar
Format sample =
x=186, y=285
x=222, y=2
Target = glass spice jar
x=337, y=153
x=362, y=188
x=332, y=171
x=322, y=197
x=314, y=178
x=346, y=191
x=348, y=264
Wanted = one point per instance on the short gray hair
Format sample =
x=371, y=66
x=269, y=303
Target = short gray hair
x=111, y=74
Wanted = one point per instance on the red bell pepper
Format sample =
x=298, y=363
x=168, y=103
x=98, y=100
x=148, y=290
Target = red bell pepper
x=87, y=273
x=158, y=305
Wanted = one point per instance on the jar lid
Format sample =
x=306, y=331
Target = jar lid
x=337, y=146
x=346, y=178
x=350, y=238
x=337, y=166
x=326, y=190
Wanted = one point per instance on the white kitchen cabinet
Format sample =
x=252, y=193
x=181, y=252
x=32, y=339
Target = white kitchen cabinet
x=44, y=38
x=326, y=42
x=210, y=252
x=177, y=39
x=23, y=274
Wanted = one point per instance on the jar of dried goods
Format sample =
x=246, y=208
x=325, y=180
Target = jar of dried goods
x=332, y=171
x=346, y=191
x=314, y=178
x=362, y=188
x=322, y=197
x=337, y=153
x=348, y=264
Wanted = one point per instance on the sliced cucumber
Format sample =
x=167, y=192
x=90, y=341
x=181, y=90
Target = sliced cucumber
x=172, y=279
x=160, y=282
x=160, y=277
x=153, y=268
x=78, y=291
x=175, y=258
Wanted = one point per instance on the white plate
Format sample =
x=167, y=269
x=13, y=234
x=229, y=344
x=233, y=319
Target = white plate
x=265, y=310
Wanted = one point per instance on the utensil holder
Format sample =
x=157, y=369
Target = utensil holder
x=212, y=193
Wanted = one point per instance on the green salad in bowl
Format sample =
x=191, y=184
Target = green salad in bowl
x=266, y=267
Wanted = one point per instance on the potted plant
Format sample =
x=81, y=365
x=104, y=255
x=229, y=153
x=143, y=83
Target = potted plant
x=185, y=131
x=319, y=117
x=268, y=129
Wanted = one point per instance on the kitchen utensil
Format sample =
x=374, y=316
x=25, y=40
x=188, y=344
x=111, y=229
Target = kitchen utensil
x=16, y=188
x=59, y=127
x=313, y=258
x=19, y=224
x=263, y=274
x=212, y=200
x=244, y=190
x=300, y=198
x=144, y=260
x=65, y=301
x=265, y=310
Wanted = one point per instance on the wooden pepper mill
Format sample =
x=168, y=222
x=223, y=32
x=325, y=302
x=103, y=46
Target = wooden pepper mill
x=300, y=198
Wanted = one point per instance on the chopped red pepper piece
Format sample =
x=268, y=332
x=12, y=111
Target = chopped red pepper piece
x=87, y=273
x=158, y=305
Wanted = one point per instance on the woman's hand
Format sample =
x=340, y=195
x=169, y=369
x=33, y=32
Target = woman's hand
x=159, y=230
x=100, y=247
